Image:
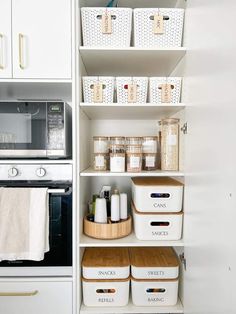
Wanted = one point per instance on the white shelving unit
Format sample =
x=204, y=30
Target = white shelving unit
x=130, y=111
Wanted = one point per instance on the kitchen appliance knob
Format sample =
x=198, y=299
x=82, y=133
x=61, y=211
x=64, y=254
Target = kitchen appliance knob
x=13, y=172
x=41, y=172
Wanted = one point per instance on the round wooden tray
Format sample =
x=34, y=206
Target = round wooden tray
x=108, y=231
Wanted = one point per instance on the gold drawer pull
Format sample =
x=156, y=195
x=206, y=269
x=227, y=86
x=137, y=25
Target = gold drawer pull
x=2, y=53
x=21, y=63
x=19, y=294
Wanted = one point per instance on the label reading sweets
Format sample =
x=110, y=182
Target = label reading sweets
x=132, y=92
x=97, y=92
x=166, y=93
x=106, y=23
x=158, y=24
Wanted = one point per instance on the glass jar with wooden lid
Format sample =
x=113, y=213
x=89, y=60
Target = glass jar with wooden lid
x=134, y=158
x=100, y=144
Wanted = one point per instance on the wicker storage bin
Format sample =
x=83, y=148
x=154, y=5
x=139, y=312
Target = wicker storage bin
x=157, y=89
x=89, y=86
x=168, y=35
x=118, y=32
x=140, y=93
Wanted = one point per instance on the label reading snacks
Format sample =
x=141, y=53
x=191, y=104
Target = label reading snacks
x=166, y=93
x=106, y=23
x=97, y=92
x=158, y=27
x=132, y=92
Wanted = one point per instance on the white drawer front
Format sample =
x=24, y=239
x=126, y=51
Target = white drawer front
x=22, y=297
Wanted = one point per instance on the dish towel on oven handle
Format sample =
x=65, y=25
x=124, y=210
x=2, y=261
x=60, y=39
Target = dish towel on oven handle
x=24, y=223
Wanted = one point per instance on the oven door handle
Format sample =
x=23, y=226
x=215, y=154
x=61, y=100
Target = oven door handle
x=57, y=191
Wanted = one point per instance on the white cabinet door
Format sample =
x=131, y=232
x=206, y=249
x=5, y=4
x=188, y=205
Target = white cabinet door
x=210, y=189
x=39, y=297
x=5, y=39
x=41, y=31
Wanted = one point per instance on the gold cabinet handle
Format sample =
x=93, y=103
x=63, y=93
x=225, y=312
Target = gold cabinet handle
x=21, y=63
x=19, y=294
x=2, y=52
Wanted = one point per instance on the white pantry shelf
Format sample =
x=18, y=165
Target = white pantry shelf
x=89, y=172
x=131, y=61
x=139, y=111
x=130, y=308
x=129, y=241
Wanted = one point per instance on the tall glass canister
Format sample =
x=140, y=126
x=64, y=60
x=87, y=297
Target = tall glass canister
x=169, y=144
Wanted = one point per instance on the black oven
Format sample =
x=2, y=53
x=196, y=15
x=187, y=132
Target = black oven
x=58, y=261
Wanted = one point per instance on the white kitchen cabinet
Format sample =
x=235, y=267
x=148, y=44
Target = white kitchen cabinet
x=5, y=39
x=37, y=296
x=41, y=39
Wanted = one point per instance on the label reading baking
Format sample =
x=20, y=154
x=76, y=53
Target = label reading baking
x=99, y=161
x=158, y=27
x=97, y=92
x=166, y=93
x=160, y=233
x=106, y=23
x=132, y=92
x=155, y=299
x=150, y=161
x=172, y=140
x=134, y=162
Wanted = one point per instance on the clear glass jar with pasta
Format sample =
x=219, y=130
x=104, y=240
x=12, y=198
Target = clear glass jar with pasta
x=169, y=144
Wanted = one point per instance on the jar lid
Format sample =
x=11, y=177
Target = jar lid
x=117, y=146
x=117, y=137
x=155, y=138
x=100, y=138
x=135, y=137
x=169, y=120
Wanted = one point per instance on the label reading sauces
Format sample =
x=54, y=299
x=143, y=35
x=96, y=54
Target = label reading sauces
x=97, y=92
x=106, y=23
x=132, y=92
x=158, y=24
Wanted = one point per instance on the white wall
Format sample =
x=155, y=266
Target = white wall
x=210, y=208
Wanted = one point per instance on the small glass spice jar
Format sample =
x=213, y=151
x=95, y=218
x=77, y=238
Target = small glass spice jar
x=134, y=158
x=169, y=144
x=133, y=140
x=117, y=158
x=150, y=144
x=100, y=144
x=100, y=162
x=117, y=140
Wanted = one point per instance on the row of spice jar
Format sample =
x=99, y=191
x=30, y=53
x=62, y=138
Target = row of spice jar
x=118, y=153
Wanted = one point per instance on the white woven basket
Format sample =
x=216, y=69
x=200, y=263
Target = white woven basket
x=108, y=83
x=155, y=90
x=122, y=88
x=144, y=35
x=92, y=27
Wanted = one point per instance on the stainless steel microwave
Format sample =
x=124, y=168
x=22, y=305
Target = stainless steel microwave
x=35, y=129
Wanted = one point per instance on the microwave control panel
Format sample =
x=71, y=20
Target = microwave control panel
x=55, y=121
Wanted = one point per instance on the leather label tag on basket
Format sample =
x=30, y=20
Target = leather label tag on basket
x=132, y=92
x=166, y=93
x=106, y=23
x=158, y=27
x=97, y=92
